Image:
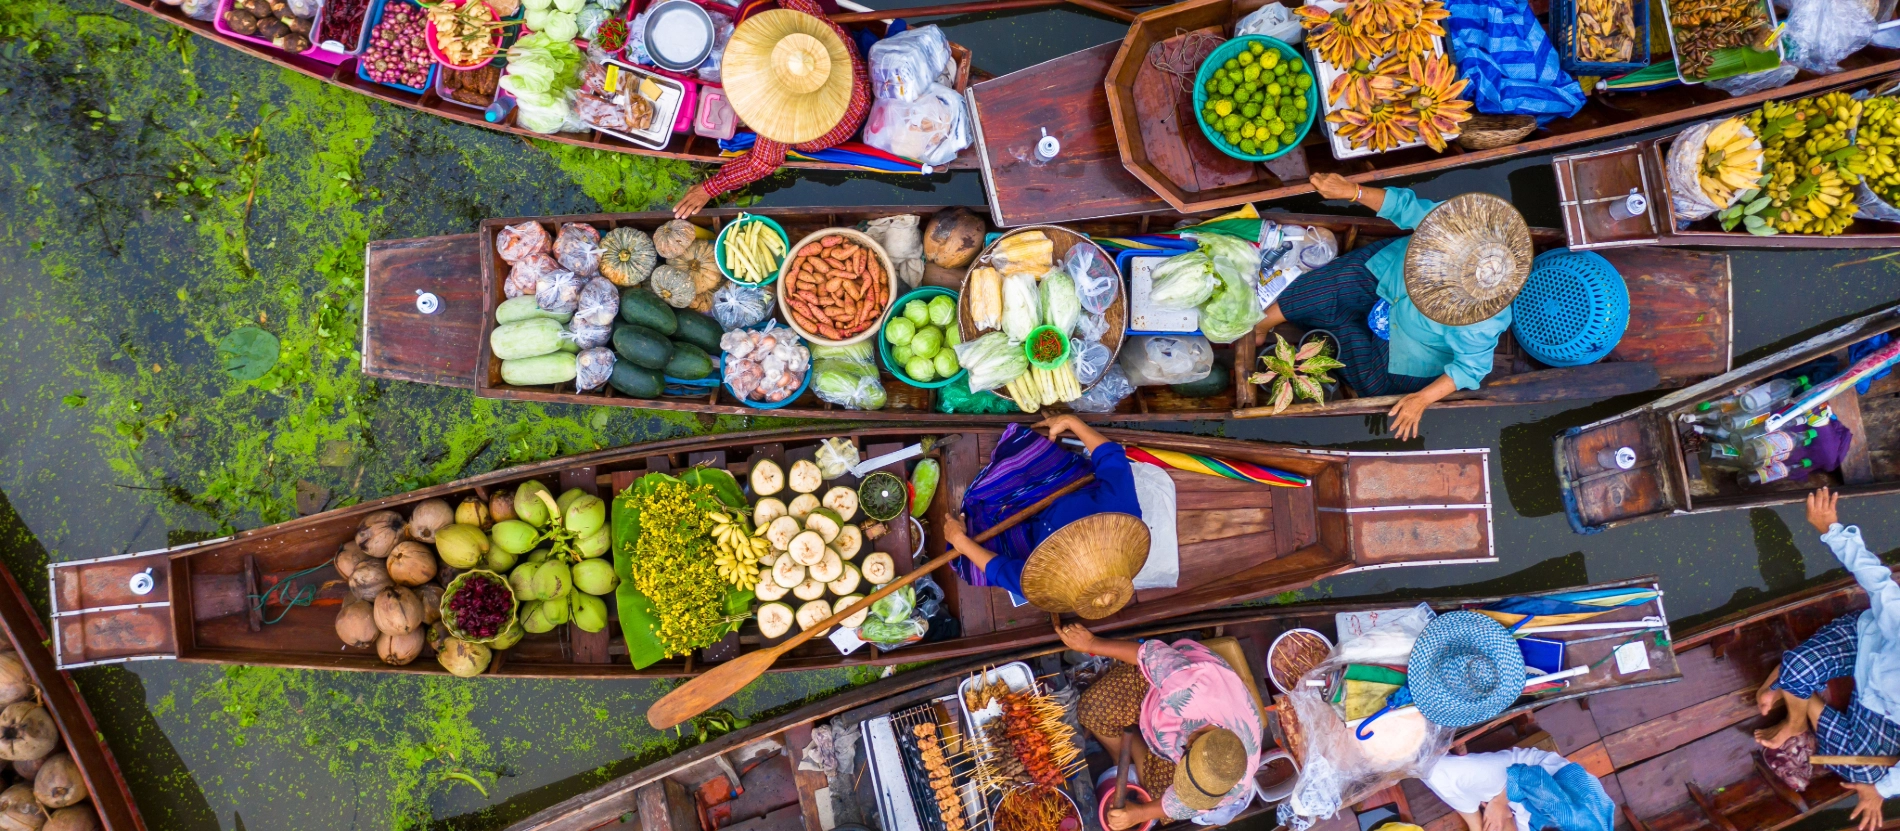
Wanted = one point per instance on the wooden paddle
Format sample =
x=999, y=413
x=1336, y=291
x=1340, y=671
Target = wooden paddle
x=717, y=684
x=1130, y=735
x=1856, y=761
x=1587, y=381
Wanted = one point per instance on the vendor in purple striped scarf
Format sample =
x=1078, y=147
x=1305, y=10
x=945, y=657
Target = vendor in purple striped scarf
x=1024, y=468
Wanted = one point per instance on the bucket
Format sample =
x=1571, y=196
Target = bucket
x=1135, y=796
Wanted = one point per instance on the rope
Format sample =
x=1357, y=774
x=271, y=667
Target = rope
x=1182, y=61
x=304, y=597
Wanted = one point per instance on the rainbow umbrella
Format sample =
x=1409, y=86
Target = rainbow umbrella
x=1563, y=608
x=1881, y=358
x=1212, y=466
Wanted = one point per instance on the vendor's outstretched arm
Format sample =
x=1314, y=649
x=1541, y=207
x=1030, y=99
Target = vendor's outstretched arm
x=1072, y=424
x=958, y=539
x=1078, y=637
x=1406, y=414
x=1877, y=579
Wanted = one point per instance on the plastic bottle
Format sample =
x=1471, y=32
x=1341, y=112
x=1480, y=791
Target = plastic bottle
x=1717, y=454
x=499, y=109
x=1776, y=446
x=1737, y=413
x=1766, y=395
x=1775, y=471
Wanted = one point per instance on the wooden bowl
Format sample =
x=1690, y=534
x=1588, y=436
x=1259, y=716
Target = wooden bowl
x=1063, y=239
x=883, y=259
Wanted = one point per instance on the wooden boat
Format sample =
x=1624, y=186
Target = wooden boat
x=109, y=794
x=1238, y=540
x=1679, y=324
x=1667, y=478
x=687, y=147
x=1123, y=152
x=779, y=797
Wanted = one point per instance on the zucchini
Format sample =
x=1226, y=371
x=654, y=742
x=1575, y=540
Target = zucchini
x=847, y=581
x=857, y=617
x=699, y=330
x=775, y=619
x=767, y=478
x=642, y=346
x=843, y=500
x=689, y=362
x=557, y=368
x=810, y=590
x=642, y=307
x=636, y=381
x=525, y=338
x=806, y=477
x=850, y=540
x=524, y=308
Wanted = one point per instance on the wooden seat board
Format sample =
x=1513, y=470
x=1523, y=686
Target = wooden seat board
x=1704, y=677
x=438, y=348
x=1676, y=729
x=1712, y=762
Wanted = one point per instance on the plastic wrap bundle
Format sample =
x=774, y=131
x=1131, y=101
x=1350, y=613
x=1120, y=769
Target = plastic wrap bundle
x=991, y=360
x=1096, y=282
x=1685, y=169
x=558, y=291
x=593, y=367
x=931, y=129
x=577, y=249
x=1089, y=359
x=599, y=302
x=517, y=242
x=1106, y=394
x=722, y=32
x=766, y=364
x=1159, y=360
x=1022, y=306
x=847, y=376
x=199, y=9
x=527, y=274
x=1091, y=327
x=1829, y=31
x=588, y=335
x=903, y=242
x=904, y=66
x=736, y=306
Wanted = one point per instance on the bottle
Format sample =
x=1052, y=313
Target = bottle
x=1769, y=394
x=1717, y=454
x=1712, y=432
x=1776, y=446
x=1737, y=413
x=499, y=109
x=1775, y=472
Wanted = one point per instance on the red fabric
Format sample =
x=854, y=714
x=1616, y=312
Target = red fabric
x=767, y=155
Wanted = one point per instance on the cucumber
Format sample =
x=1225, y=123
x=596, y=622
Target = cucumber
x=699, y=330
x=524, y=308
x=642, y=307
x=525, y=338
x=1217, y=381
x=636, y=381
x=689, y=362
x=642, y=346
x=557, y=368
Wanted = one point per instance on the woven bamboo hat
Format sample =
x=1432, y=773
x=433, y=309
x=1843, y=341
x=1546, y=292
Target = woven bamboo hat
x=1214, y=763
x=787, y=75
x=1088, y=566
x=1467, y=259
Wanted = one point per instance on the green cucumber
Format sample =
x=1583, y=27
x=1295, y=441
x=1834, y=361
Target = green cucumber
x=689, y=362
x=642, y=307
x=699, y=330
x=642, y=346
x=635, y=381
x=525, y=308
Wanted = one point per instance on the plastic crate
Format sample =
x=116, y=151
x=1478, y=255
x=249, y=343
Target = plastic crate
x=1573, y=309
x=1564, y=32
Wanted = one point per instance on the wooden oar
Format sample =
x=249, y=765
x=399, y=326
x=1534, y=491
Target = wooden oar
x=1587, y=381
x=1856, y=761
x=981, y=7
x=1130, y=735
x=717, y=684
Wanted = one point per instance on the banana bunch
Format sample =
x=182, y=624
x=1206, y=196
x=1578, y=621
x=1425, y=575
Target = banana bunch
x=1814, y=153
x=1879, y=136
x=1731, y=161
x=736, y=552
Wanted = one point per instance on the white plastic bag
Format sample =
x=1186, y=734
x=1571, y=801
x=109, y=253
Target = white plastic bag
x=1750, y=83
x=903, y=67
x=1684, y=171
x=737, y=307
x=1273, y=20
x=931, y=129
x=593, y=367
x=1022, y=305
x=1159, y=360
x=903, y=242
x=1089, y=359
x=1828, y=31
x=1154, y=491
x=722, y=32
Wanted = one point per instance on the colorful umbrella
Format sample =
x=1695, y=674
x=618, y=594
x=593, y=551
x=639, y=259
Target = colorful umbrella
x=1212, y=466
x=1882, y=358
x=1565, y=608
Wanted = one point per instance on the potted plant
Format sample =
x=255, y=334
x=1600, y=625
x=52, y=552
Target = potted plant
x=1290, y=372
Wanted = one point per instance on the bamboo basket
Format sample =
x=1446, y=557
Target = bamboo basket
x=1484, y=132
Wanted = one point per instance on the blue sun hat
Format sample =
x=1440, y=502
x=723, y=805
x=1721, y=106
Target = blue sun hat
x=1465, y=669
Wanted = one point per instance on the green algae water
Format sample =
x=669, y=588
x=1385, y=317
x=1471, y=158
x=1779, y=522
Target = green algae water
x=162, y=192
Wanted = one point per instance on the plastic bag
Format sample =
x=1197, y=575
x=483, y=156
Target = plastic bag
x=1767, y=79
x=1060, y=305
x=931, y=129
x=527, y=274
x=1828, y=31
x=199, y=9
x=904, y=66
x=1096, y=282
x=303, y=8
x=1233, y=309
x=903, y=242
x=578, y=248
x=835, y=456
x=1320, y=247
x=991, y=360
x=736, y=306
x=1022, y=306
x=1106, y=394
x=1158, y=360
x=590, y=18
x=722, y=33
x=599, y=302
x=1091, y=328
x=636, y=49
x=1684, y=168
x=517, y=242
x=1088, y=359
x=588, y=335
x=558, y=291
x=847, y=376
x=593, y=367
x=956, y=398
x=1273, y=20
x=1182, y=281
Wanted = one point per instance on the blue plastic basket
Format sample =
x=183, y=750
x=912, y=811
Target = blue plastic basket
x=768, y=405
x=1573, y=308
x=1564, y=32
x=370, y=21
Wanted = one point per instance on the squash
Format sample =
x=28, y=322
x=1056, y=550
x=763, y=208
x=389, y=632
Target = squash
x=627, y=256
x=557, y=368
x=672, y=239
x=525, y=338
x=699, y=262
x=674, y=285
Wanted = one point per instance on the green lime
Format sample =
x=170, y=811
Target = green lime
x=1245, y=58
x=1286, y=137
x=1274, y=89
x=1275, y=125
x=1223, y=107
x=1257, y=47
x=1304, y=82
x=1272, y=146
x=1251, y=73
x=1231, y=65
x=1246, y=129
x=1231, y=122
x=1233, y=137
x=1270, y=58
x=1249, y=110
x=1248, y=147
x=1212, y=85
x=1227, y=87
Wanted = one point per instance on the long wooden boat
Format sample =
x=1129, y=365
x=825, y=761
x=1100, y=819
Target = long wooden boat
x=780, y=798
x=1238, y=541
x=1084, y=98
x=1679, y=324
x=342, y=73
x=109, y=794
x=1668, y=479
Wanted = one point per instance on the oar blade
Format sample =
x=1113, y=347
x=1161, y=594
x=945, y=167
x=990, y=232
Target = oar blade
x=711, y=687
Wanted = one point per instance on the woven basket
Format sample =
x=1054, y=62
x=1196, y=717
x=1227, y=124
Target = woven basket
x=1484, y=132
x=1088, y=566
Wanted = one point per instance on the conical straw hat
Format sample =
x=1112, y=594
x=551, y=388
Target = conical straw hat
x=787, y=75
x=1088, y=566
x=1467, y=259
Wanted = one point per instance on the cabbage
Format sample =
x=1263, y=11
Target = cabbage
x=1232, y=309
x=531, y=5
x=1021, y=308
x=992, y=361
x=570, y=6
x=1061, y=307
x=893, y=634
x=542, y=119
x=860, y=352
x=895, y=607
x=848, y=383
x=564, y=26
x=1182, y=281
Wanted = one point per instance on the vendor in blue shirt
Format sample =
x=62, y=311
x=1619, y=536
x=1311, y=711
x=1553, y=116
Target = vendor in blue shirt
x=1450, y=297
x=1113, y=491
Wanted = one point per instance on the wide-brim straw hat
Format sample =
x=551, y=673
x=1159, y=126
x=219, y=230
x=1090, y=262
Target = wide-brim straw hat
x=1088, y=566
x=1213, y=765
x=787, y=75
x=1467, y=259
x=1465, y=669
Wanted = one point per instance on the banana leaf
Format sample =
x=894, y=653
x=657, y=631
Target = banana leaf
x=1656, y=74
x=1740, y=60
x=638, y=625
x=722, y=483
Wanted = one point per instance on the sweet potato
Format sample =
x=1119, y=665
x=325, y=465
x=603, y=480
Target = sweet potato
x=831, y=240
x=809, y=249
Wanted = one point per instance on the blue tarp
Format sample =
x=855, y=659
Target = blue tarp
x=1502, y=49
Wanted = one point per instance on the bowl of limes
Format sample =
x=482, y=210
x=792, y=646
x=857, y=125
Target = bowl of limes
x=1256, y=98
x=918, y=344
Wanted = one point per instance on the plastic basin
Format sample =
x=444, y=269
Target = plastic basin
x=924, y=293
x=1220, y=56
x=442, y=59
x=719, y=248
x=767, y=405
x=370, y=22
x=1029, y=349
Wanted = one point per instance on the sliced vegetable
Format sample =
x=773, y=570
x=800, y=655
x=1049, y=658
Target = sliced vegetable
x=857, y=618
x=781, y=532
x=775, y=619
x=809, y=590
x=813, y=613
x=805, y=477
x=843, y=500
x=767, y=510
x=825, y=521
x=807, y=548
x=767, y=478
x=802, y=506
x=828, y=568
x=849, y=542
x=787, y=572
x=878, y=568
x=768, y=588
x=846, y=582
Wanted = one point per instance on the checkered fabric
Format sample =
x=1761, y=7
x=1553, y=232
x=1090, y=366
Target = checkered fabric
x=1806, y=669
x=1336, y=297
x=1856, y=732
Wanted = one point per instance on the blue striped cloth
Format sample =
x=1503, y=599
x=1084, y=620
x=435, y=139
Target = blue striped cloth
x=1502, y=49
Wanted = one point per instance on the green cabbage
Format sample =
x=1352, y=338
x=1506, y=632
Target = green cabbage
x=992, y=361
x=848, y=383
x=896, y=607
x=1232, y=308
x=861, y=352
x=1061, y=307
x=1182, y=281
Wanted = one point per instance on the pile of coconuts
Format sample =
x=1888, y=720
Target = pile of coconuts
x=48, y=793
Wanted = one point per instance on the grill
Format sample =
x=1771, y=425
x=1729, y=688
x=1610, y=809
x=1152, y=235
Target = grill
x=956, y=756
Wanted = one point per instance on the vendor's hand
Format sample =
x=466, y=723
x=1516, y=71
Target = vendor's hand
x=1335, y=186
x=1121, y=818
x=1406, y=415
x=1497, y=814
x=695, y=200
x=1059, y=425
x=1077, y=637
x=1135, y=814
x=1866, y=812
x=953, y=531
x=1822, y=513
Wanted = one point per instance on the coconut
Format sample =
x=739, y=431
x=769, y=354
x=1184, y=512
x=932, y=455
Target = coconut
x=356, y=623
x=509, y=637
x=431, y=595
x=411, y=563
x=585, y=515
x=429, y=515
x=953, y=237
x=27, y=767
x=501, y=507
x=597, y=543
x=59, y=784
x=15, y=684
x=500, y=560
x=76, y=818
x=379, y=532
x=349, y=555
x=464, y=659
x=20, y=810
x=370, y=578
x=522, y=581
x=534, y=619
x=528, y=505
x=472, y=511
x=595, y=577
x=27, y=731
x=461, y=546
x=515, y=536
x=398, y=610
x=397, y=650
x=587, y=611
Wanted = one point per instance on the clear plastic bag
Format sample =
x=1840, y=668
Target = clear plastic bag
x=303, y=8
x=1767, y=79
x=199, y=9
x=1273, y=20
x=527, y=274
x=1159, y=360
x=588, y=335
x=1232, y=310
x=722, y=33
x=904, y=66
x=517, y=242
x=991, y=360
x=636, y=48
x=854, y=385
x=1320, y=247
x=598, y=304
x=1091, y=327
x=1829, y=31
x=1022, y=305
x=591, y=16
x=835, y=456
x=736, y=306
x=1096, y=281
x=903, y=242
x=931, y=129
x=593, y=367
x=558, y=291
x=1106, y=394
x=1088, y=359
x=1684, y=168
x=1182, y=281
x=577, y=249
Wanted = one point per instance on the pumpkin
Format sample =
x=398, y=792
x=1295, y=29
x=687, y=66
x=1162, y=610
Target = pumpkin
x=699, y=261
x=674, y=238
x=674, y=285
x=627, y=256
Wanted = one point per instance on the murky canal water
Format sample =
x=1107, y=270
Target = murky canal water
x=160, y=192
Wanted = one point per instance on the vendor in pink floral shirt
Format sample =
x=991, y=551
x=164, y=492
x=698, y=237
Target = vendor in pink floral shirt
x=1200, y=728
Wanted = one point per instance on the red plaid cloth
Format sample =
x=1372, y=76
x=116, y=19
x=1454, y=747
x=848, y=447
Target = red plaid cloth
x=767, y=155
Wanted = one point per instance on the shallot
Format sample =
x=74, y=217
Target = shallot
x=766, y=365
x=398, y=50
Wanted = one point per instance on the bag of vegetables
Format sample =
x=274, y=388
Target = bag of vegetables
x=847, y=376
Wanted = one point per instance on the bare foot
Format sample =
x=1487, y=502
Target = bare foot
x=1767, y=696
x=1779, y=734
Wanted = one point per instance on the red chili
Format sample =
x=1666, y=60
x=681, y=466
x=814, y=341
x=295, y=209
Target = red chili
x=1048, y=345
